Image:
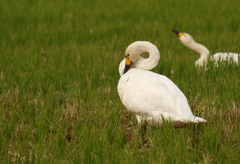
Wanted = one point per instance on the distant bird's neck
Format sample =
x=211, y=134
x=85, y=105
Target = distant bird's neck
x=202, y=50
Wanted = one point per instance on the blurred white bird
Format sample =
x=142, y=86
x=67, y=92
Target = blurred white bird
x=189, y=42
x=150, y=96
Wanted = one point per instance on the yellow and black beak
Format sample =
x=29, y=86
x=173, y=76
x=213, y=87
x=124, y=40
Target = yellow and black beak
x=128, y=64
x=178, y=33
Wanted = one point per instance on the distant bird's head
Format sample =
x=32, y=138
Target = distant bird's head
x=185, y=38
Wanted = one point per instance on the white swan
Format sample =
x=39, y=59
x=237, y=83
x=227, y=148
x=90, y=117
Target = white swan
x=150, y=96
x=189, y=42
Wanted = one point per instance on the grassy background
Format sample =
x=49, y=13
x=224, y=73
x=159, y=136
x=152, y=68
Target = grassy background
x=59, y=73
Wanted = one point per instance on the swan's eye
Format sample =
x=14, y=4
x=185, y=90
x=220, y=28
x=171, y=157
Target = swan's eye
x=127, y=54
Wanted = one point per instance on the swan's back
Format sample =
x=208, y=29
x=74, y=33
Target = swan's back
x=226, y=56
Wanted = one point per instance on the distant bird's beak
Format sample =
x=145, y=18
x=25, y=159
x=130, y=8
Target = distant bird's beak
x=128, y=64
x=176, y=32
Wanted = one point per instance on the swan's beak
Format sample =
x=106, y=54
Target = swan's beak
x=128, y=64
x=178, y=33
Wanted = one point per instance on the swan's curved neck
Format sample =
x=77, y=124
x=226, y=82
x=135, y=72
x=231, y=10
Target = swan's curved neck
x=151, y=61
x=202, y=50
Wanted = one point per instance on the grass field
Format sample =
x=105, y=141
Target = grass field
x=59, y=73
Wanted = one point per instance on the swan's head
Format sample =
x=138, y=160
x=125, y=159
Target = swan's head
x=133, y=52
x=185, y=38
x=134, y=60
x=135, y=49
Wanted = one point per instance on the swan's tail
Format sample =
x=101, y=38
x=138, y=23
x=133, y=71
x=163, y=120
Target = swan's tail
x=199, y=119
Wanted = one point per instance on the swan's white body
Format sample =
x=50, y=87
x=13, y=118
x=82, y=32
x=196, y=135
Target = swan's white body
x=189, y=42
x=150, y=96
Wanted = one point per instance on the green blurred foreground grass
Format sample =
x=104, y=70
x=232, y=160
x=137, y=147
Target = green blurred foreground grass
x=59, y=72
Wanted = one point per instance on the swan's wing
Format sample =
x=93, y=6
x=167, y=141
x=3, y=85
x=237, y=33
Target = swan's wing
x=121, y=67
x=146, y=93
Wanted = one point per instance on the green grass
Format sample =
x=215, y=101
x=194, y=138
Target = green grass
x=59, y=72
